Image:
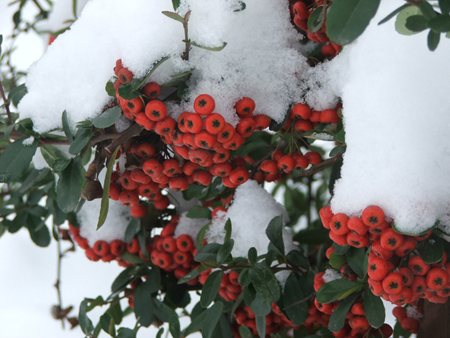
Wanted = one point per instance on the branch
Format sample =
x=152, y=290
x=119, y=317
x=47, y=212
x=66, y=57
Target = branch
x=414, y=2
x=127, y=134
x=6, y=103
x=318, y=167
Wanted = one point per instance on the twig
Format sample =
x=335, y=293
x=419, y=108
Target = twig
x=58, y=273
x=6, y=103
x=414, y=2
x=127, y=134
x=318, y=167
x=38, y=5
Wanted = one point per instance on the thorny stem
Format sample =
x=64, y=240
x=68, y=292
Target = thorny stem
x=58, y=273
x=6, y=103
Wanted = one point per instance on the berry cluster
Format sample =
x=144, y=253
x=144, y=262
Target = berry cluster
x=409, y=318
x=104, y=251
x=396, y=271
x=301, y=119
x=174, y=254
x=301, y=12
x=230, y=289
x=356, y=323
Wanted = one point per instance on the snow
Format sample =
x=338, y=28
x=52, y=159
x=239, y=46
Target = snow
x=252, y=210
x=28, y=141
x=260, y=60
x=115, y=224
x=189, y=226
x=331, y=275
x=396, y=118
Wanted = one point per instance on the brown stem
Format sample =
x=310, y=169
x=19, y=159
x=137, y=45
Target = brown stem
x=414, y=2
x=58, y=273
x=6, y=103
x=318, y=167
x=127, y=134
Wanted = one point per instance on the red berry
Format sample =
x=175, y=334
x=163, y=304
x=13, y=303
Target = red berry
x=156, y=110
x=204, y=104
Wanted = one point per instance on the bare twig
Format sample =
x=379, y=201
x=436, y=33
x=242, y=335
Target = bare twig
x=301, y=301
x=58, y=273
x=8, y=112
x=127, y=134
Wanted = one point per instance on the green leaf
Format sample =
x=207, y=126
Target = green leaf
x=225, y=251
x=403, y=15
x=228, y=230
x=427, y=10
x=337, y=261
x=211, y=288
x=191, y=275
x=337, y=318
x=55, y=158
x=85, y=323
x=355, y=258
x=416, y=23
x=208, y=253
x=115, y=310
x=440, y=24
x=201, y=236
x=176, y=4
x=443, y=4
x=68, y=188
x=374, y=309
x=109, y=88
x=252, y=255
x=38, y=231
x=123, y=279
x=105, y=198
x=125, y=332
x=160, y=333
x=316, y=19
x=139, y=83
x=211, y=319
x=213, y=49
x=242, y=6
x=293, y=294
x=66, y=126
x=17, y=93
x=331, y=291
x=245, y=332
x=298, y=259
x=320, y=135
x=433, y=40
x=107, y=118
x=347, y=19
x=199, y=212
x=143, y=303
x=174, y=326
x=132, y=229
x=341, y=250
x=107, y=324
x=261, y=326
x=394, y=13
x=312, y=236
x=274, y=232
x=265, y=282
x=337, y=150
x=128, y=90
x=15, y=159
x=173, y=16
x=431, y=250
x=82, y=138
